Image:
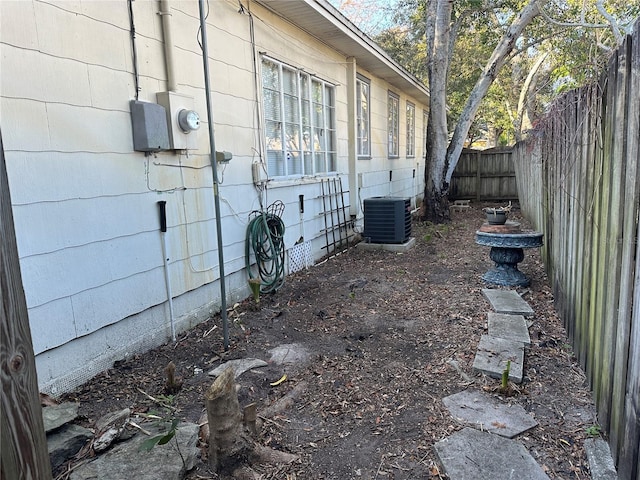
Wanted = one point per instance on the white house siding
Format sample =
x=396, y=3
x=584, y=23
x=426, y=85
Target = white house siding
x=85, y=204
x=407, y=178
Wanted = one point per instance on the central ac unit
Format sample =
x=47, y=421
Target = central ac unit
x=387, y=219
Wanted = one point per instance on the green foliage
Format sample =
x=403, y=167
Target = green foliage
x=165, y=400
x=161, y=439
x=574, y=34
x=433, y=229
x=593, y=430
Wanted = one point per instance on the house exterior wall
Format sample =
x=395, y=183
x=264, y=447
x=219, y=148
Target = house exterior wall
x=85, y=204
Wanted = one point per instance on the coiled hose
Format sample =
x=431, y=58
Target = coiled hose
x=265, y=238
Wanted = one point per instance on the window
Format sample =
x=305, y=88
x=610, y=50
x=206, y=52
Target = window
x=411, y=130
x=393, y=125
x=425, y=124
x=299, y=116
x=363, y=117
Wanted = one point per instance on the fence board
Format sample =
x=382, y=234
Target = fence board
x=628, y=337
x=486, y=175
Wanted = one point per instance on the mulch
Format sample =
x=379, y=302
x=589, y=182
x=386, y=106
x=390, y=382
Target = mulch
x=384, y=333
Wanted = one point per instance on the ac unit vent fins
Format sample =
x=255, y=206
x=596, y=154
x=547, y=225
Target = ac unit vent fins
x=387, y=219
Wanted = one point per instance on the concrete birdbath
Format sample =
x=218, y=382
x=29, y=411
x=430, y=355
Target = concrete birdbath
x=507, y=243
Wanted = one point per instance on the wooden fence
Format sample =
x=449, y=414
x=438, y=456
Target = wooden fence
x=579, y=182
x=484, y=175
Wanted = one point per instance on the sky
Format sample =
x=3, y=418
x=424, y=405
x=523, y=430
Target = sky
x=370, y=16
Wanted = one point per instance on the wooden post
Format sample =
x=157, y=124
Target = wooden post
x=478, y=176
x=23, y=445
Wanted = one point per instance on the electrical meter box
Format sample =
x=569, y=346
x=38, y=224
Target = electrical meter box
x=182, y=120
x=149, y=127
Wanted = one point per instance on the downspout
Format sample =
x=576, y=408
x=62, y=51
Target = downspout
x=352, y=135
x=165, y=15
x=214, y=169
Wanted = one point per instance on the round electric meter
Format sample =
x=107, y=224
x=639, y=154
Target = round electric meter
x=188, y=120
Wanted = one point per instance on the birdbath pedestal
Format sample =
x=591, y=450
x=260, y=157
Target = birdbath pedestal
x=506, y=242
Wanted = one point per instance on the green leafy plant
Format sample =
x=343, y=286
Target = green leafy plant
x=593, y=430
x=162, y=438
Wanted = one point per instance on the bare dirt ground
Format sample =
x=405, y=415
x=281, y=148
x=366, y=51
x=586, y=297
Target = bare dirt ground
x=380, y=329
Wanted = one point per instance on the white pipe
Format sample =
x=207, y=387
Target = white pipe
x=165, y=259
x=165, y=15
x=167, y=279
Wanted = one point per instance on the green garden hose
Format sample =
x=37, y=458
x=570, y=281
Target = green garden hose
x=265, y=239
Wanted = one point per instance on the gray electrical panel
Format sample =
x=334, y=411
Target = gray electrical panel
x=149, y=123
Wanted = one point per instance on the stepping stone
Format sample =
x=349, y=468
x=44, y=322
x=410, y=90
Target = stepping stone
x=289, y=354
x=493, y=353
x=473, y=455
x=601, y=464
x=507, y=301
x=487, y=413
x=239, y=366
x=509, y=327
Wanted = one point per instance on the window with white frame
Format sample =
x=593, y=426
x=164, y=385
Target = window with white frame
x=299, y=121
x=411, y=129
x=425, y=124
x=393, y=125
x=363, y=117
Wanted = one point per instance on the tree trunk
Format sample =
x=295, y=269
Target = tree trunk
x=489, y=74
x=523, y=122
x=228, y=444
x=231, y=448
x=436, y=205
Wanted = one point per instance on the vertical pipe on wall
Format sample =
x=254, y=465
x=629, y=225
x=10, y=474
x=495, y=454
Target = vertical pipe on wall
x=162, y=206
x=352, y=128
x=165, y=15
x=214, y=168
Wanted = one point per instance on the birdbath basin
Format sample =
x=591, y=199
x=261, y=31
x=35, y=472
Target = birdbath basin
x=507, y=243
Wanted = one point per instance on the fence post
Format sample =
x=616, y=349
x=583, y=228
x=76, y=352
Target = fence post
x=478, y=176
x=24, y=447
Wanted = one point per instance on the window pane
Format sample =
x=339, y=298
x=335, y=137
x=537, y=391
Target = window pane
x=318, y=115
x=273, y=135
x=363, y=118
x=271, y=105
x=306, y=114
x=294, y=165
x=308, y=163
x=304, y=86
x=318, y=140
x=291, y=109
x=275, y=163
x=332, y=160
x=411, y=130
x=289, y=81
x=270, y=75
x=393, y=125
x=320, y=163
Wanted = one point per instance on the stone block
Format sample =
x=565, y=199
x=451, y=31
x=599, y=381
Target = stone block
x=493, y=354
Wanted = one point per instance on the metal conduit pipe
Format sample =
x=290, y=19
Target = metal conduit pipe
x=165, y=15
x=214, y=168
